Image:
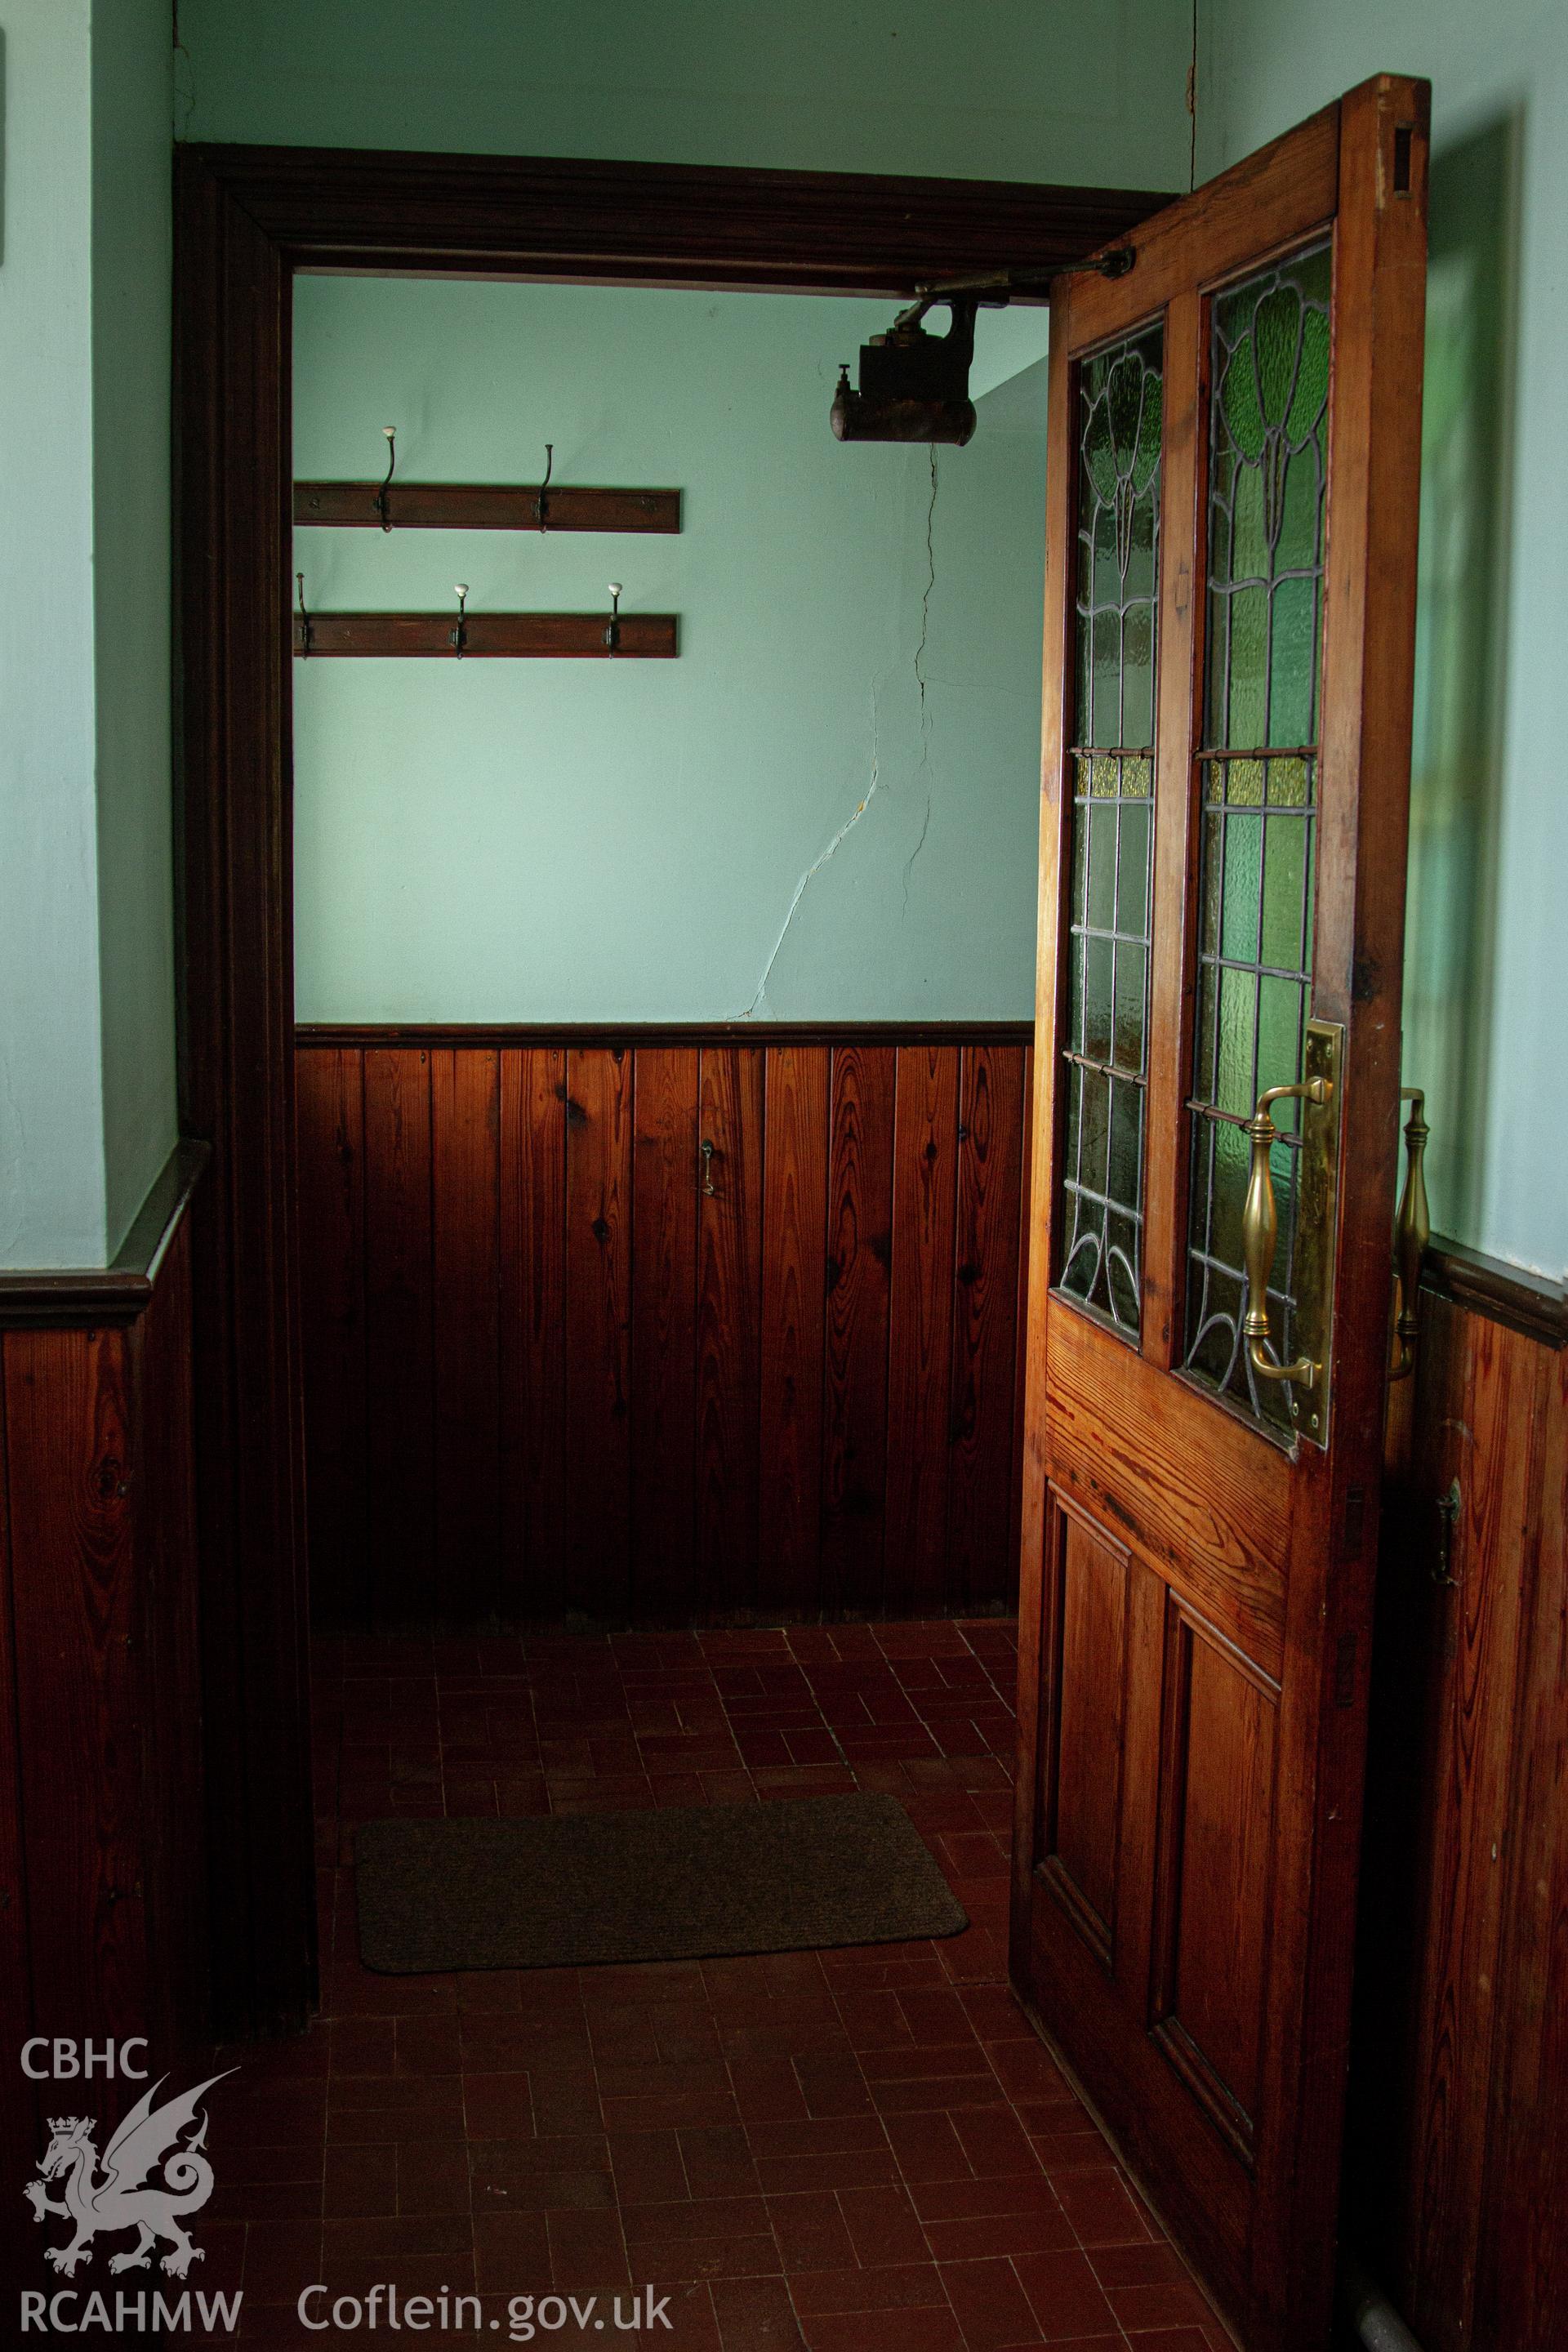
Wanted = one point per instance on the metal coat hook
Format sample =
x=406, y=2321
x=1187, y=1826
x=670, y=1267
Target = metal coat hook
x=612, y=633
x=460, y=636
x=304, y=619
x=541, y=504
x=382, y=506
x=707, y=1167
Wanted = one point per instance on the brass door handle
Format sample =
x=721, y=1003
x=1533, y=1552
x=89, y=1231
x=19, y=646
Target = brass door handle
x=1412, y=1231
x=1261, y=1233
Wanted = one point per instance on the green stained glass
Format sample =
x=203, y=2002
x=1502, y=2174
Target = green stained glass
x=1267, y=485
x=1119, y=425
x=1284, y=889
x=1120, y=422
x=1132, y=868
x=1243, y=885
x=1267, y=462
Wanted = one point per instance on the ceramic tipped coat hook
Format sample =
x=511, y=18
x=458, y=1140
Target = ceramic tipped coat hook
x=383, y=505
x=460, y=634
x=612, y=633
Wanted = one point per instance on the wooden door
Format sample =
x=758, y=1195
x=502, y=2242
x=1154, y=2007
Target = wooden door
x=1234, y=435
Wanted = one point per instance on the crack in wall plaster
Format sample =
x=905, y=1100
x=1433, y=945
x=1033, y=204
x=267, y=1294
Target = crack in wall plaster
x=844, y=830
x=920, y=680
x=850, y=821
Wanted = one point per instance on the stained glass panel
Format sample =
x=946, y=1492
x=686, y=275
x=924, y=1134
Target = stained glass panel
x=1268, y=477
x=1105, y=1055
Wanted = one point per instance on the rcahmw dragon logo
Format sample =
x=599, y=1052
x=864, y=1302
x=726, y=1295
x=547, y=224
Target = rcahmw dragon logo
x=123, y=2198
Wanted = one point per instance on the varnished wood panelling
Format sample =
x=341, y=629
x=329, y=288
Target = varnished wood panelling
x=859, y=1253
x=627, y=1393
x=103, y=1877
x=1461, y=2065
x=68, y=1443
x=399, y=1277
x=664, y=1329
x=920, y=1350
x=330, y=1115
x=990, y=1162
x=465, y=1217
x=794, y=1259
x=19, y=2147
x=729, y=1318
x=1521, y=2286
x=168, y=1640
x=598, y=1330
x=533, y=1331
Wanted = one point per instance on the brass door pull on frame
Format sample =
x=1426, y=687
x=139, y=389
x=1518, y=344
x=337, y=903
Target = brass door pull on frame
x=1412, y=1231
x=1261, y=1233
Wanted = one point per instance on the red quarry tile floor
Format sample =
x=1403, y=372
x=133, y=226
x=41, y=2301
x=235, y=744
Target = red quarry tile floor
x=841, y=2151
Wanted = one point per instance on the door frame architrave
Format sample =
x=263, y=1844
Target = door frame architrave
x=247, y=219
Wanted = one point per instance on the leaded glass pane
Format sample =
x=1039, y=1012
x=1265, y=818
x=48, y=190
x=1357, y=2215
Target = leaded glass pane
x=1268, y=477
x=1267, y=462
x=1106, y=1053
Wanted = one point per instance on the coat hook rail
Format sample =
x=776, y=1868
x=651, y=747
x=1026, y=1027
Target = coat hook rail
x=477, y=636
x=487, y=506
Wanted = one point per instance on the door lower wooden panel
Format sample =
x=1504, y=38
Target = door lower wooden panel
x=1082, y=1753
x=1211, y=1923
x=673, y=1326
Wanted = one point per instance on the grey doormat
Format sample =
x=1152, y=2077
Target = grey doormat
x=675, y=1883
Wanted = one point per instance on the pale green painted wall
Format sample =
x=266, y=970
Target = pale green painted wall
x=1484, y=999
x=51, y=1150
x=132, y=264
x=1088, y=91
x=538, y=841
x=87, y=1086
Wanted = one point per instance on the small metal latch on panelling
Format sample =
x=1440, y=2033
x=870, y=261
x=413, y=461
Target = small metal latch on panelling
x=1449, y=1507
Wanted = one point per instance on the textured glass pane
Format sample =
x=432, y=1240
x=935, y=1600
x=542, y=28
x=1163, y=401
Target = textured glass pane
x=1284, y=889
x=1242, y=885
x=1289, y=783
x=1208, y=1028
x=1209, y=902
x=1263, y=651
x=1215, y=1290
x=1122, y=1268
x=1131, y=963
x=1099, y=968
x=1126, y=1143
x=1280, y=1010
x=1237, y=998
x=1120, y=410
x=1132, y=871
x=1101, y=831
